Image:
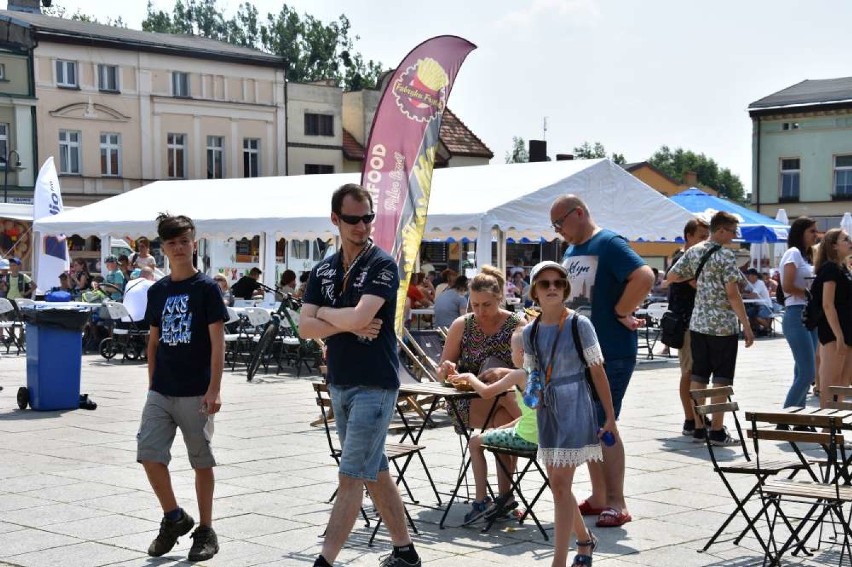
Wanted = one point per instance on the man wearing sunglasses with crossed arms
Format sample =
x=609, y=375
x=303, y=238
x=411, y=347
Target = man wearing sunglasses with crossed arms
x=350, y=300
x=610, y=278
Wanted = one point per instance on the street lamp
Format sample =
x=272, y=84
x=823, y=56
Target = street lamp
x=17, y=167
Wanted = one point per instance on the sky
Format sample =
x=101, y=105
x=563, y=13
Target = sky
x=632, y=74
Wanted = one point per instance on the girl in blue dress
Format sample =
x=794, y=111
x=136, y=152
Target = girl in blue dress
x=568, y=434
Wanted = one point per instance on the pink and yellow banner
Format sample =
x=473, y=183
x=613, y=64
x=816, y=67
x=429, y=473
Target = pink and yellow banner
x=400, y=153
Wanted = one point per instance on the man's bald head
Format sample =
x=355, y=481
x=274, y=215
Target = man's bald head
x=147, y=273
x=569, y=203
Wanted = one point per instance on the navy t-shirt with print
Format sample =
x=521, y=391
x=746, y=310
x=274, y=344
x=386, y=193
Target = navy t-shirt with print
x=598, y=270
x=182, y=311
x=351, y=361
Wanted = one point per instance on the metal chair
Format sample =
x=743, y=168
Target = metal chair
x=724, y=467
x=126, y=336
x=393, y=451
x=11, y=325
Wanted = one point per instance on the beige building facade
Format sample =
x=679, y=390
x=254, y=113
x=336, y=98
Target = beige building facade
x=328, y=129
x=119, y=108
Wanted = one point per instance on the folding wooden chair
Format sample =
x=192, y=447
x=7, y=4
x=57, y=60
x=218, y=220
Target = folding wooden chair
x=427, y=344
x=393, y=451
x=826, y=496
x=745, y=466
x=515, y=487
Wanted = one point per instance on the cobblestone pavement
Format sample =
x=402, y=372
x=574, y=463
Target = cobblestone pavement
x=72, y=494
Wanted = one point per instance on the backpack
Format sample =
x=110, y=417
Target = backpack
x=812, y=313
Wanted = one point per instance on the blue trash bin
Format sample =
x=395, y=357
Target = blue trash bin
x=54, y=356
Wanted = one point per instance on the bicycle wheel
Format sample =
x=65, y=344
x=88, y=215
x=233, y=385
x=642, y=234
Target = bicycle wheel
x=263, y=344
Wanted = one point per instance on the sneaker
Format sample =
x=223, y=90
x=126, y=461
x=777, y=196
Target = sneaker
x=500, y=512
x=391, y=561
x=689, y=426
x=478, y=510
x=722, y=438
x=170, y=531
x=699, y=435
x=205, y=544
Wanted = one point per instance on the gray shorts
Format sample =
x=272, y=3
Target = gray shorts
x=161, y=417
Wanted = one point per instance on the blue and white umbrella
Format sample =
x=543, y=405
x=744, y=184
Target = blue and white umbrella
x=753, y=227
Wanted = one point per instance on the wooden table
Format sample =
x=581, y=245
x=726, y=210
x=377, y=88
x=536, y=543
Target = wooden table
x=452, y=396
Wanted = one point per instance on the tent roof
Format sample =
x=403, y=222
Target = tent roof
x=616, y=199
x=754, y=227
x=298, y=206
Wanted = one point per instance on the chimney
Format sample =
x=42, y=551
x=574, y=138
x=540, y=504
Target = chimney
x=564, y=157
x=538, y=150
x=29, y=6
x=690, y=178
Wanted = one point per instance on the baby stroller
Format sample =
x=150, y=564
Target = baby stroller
x=126, y=337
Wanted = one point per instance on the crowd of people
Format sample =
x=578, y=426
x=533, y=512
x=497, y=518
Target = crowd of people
x=567, y=373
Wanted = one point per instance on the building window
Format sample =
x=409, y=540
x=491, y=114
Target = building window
x=69, y=152
x=108, y=78
x=790, y=126
x=790, y=175
x=843, y=177
x=215, y=157
x=176, y=148
x=66, y=73
x=319, y=124
x=317, y=169
x=4, y=143
x=251, y=157
x=180, y=84
x=111, y=155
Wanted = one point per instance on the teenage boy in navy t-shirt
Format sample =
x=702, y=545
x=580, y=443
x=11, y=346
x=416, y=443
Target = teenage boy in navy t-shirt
x=185, y=360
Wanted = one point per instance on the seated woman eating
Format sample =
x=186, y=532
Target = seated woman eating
x=479, y=343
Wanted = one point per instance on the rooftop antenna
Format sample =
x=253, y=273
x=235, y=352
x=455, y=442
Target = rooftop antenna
x=544, y=129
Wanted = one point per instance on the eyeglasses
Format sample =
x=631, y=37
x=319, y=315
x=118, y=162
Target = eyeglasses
x=355, y=219
x=557, y=224
x=556, y=284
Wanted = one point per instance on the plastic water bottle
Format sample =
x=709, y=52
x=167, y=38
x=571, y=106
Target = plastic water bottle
x=608, y=438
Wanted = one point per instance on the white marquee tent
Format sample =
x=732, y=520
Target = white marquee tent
x=514, y=199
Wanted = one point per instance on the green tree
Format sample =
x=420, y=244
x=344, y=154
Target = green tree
x=596, y=151
x=676, y=163
x=519, y=153
x=311, y=49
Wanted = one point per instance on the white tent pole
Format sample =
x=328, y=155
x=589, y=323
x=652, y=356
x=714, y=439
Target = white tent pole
x=501, y=251
x=267, y=242
x=106, y=250
x=483, y=244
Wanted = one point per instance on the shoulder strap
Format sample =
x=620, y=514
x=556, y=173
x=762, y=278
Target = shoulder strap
x=575, y=330
x=704, y=259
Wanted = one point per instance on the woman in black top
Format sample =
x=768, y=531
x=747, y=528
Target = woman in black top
x=833, y=288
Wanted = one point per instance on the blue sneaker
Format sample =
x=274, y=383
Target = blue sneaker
x=478, y=510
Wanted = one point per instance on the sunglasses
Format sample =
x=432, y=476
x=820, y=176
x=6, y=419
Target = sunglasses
x=547, y=284
x=355, y=219
x=557, y=224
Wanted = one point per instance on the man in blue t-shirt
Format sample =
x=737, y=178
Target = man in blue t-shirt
x=610, y=280
x=350, y=301
x=185, y=359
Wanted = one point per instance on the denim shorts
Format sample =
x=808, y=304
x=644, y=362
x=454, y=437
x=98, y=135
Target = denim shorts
x=618, y=373
x=362, y=416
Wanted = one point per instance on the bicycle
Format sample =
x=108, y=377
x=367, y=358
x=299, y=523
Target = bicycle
x=305, y=349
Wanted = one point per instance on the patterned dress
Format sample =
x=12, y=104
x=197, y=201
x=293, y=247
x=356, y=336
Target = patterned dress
x=567, y=423
x=476, y=348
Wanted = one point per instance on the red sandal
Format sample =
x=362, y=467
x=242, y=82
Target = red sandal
x=612, y=518
x=587, y=509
